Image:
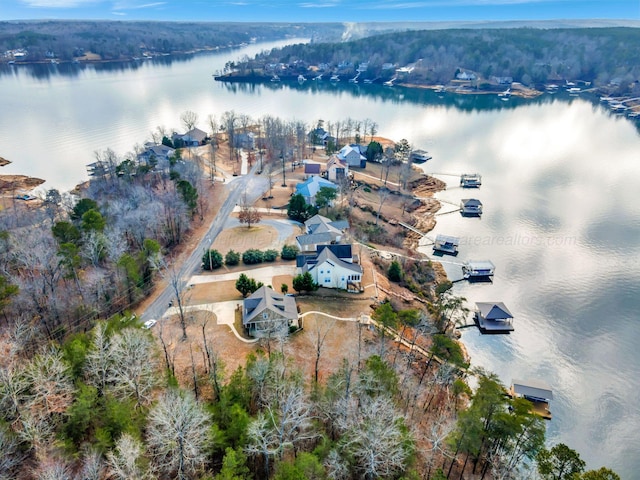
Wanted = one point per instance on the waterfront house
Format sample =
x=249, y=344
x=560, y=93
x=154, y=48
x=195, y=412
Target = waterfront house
x=156, y=155
x=471, y=207
x=267, y=313
x=470, y=180
x=535, y=391
x=319, y=136
x=446, y=244
x=352, y=155
x=310, y=187
x=332, y=266
x=192, y=138
x=493, y=317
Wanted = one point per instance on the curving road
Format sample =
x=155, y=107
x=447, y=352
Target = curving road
x=253, y=186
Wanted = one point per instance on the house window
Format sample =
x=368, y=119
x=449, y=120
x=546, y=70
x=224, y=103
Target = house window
x=321, y=271
x=265, y=315
x=327, y=280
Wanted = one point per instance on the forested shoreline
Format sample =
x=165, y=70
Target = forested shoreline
x=113, y=41
x=599, y=56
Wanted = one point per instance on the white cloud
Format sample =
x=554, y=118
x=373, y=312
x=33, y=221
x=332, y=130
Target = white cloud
x=454, y=3
x=135, y=5
x=58, y=3
x=328, y=4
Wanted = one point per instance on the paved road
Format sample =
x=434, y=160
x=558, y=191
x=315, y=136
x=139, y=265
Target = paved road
x=251, y=184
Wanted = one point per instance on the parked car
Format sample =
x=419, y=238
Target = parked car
x=149, y=323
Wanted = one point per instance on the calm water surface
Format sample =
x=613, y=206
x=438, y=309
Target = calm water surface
x=561, y=223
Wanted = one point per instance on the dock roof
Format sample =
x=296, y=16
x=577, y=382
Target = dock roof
x=532, y=388
x=493, y=310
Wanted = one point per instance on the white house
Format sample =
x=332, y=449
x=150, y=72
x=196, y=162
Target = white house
x=332, y=266
x=352, y=155
x=337, y=169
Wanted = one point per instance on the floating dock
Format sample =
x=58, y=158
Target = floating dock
x=470, y=180
x=493, y=318
x=446, y=244
x=478, y=269
x=470, y=207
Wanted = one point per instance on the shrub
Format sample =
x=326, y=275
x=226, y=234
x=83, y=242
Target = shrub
x=211, y=260
x=252, y=256
x=289, y=252
x=395, y=271
x=270, y=255
x=232, y=258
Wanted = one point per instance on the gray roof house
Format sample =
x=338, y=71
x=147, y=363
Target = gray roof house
x=192, y=138
x=266, y=313
x=155, y=154
x=320, y=231
x=353, y=156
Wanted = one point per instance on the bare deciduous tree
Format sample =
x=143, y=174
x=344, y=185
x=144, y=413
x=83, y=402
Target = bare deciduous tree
x=133, y=369
x=189, y=119
x=124, y=460
x=177, y=434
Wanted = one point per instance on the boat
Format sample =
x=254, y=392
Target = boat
x=439, y=89
x=506, y=94
x=389, y=83
x=334, y=78
x=275, y=78
x=470, y=180
x=446, y=244
x=573, y=90
x=11, y=62
x=368, y=81
x=478, y=269
x=301, y=79
x=318, y=78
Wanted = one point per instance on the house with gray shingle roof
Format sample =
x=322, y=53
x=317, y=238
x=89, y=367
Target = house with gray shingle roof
x=332, y=266
x=266, y=313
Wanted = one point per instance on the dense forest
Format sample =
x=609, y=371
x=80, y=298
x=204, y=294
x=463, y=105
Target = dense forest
x=530, y=56
x=65, y=40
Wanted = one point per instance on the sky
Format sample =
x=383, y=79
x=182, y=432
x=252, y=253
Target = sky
x=320, y=10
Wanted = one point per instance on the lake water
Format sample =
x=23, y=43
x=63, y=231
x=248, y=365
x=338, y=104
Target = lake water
x=561, y=222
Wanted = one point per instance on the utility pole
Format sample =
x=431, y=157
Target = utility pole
x=284, y=178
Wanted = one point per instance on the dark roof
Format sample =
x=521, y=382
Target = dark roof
x=339, y=250
x=471, y=202
x=326, y=255
x=493, y=311
x=532, y=388
x=312, y=168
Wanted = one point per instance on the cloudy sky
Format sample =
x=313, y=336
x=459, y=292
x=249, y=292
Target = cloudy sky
x=320, y=10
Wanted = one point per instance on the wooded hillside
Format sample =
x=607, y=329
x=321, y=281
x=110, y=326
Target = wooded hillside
x=530, y=56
